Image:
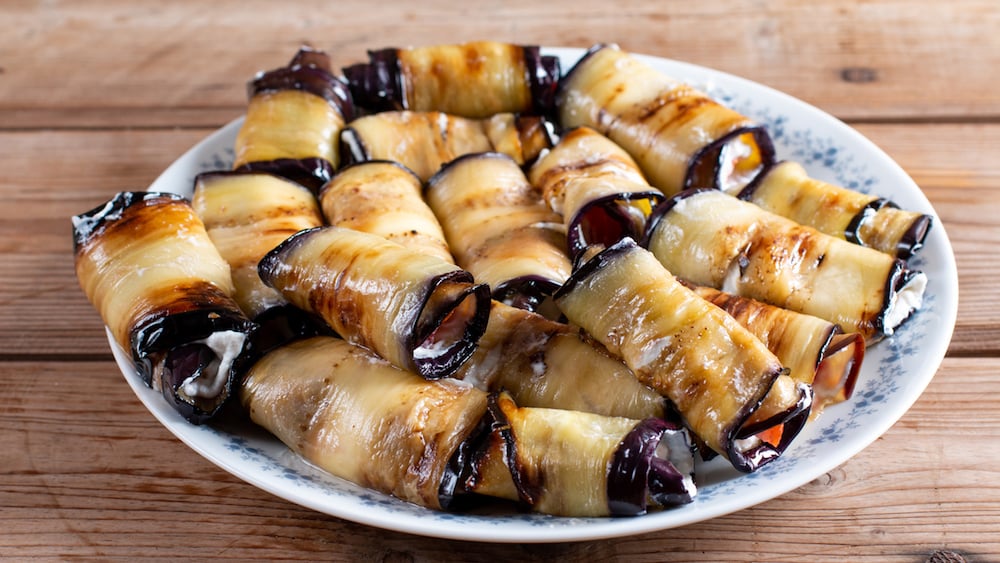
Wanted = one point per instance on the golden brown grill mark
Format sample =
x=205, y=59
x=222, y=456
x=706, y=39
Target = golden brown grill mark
x=180, y=298
x=683, y=110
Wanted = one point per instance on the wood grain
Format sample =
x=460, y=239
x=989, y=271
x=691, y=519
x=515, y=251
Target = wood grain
x=179, y=63
x=90, y=473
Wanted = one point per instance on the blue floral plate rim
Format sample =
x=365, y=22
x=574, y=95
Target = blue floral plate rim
x=895, y=372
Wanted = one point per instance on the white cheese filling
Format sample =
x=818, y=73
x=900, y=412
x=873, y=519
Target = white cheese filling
x=683, y=462
x=908, y=299
x=732, y=153
x=212, y=380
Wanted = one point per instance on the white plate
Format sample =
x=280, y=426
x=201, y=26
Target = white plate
x=894, y=374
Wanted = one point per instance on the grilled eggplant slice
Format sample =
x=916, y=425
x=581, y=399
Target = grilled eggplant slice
x=499, y=229
x=815, y=351
x=475, y=79
x=434, y=443
x=710, y=238
x=786, y=189
x=548, y=364
x=680, y=137
x=293, y=122
x=716, y=374
x=146, y=263
x=597, y=187
x=384, y=198
x=424, y=141
x=581, y=464
x=247, y=214
x=358, y=417
x=419, y=312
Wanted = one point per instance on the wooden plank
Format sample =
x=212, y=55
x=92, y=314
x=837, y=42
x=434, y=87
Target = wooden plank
x=47, y=176
x=87, y=472
x=946, y=162
x=76, y=65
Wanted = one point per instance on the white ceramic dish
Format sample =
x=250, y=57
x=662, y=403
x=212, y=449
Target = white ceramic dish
x=894, y=374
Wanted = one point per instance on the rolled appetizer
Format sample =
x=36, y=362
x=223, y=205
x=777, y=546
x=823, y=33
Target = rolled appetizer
x=499, y=229
x=417, y=311
x=544, y=363
x=293, y=122
x=581, y=464
x=786, y=189
x=384, y=198
x=716, y=374
x=597, y=187
x=247, y=214
x=680, y=137
x=475, y=79
x=815, y=351
x=147, y=265
x=424, y=141
x=435, y=443
x=713, y=239
x=361, y=419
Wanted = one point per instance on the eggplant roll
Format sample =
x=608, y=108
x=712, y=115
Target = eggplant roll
x=786, y=189
x=293, y=122
x=435, y=442
x=146, y=263
x=815, y=351
x=475, y=79
x=419, y=312
x=571, y=463
x=358, y=417
x=424, y=141
x=716, y=374
x=384, y=198
x=680, y=137
x=713, y=239
x=597, y=187
x=499, y=229
x=247, y=214
x=544, y=363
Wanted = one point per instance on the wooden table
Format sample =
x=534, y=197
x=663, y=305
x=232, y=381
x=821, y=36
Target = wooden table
x=101, y=96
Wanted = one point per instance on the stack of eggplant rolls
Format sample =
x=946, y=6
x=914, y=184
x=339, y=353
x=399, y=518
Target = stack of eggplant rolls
x=462, y=275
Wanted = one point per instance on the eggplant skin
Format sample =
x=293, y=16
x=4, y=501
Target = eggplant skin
x=312, y=172
x=309, y=71
x=638, y=474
